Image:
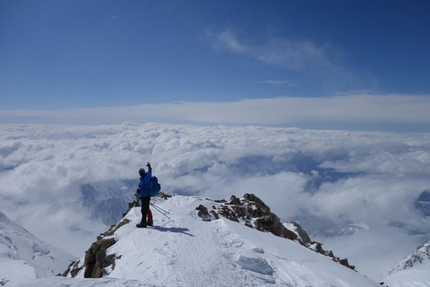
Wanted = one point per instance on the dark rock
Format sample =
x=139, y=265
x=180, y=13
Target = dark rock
x=302, y=233
x=344, y=262
x=73, y=269
x=257, y=202
x=228, y=213
x=289, y=234
x=239, y=211
x=203, y=211
x=105, y=244
x=318, y=247
x=213, y=212
x=88, y=273
x=113, y=228
x=234, y=200
x=254, y=213
x=163, y=195
x=96, y=259
x=220, y=200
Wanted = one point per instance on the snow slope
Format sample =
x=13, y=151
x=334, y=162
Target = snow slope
x=184, y=250
x=23, y=257
x=412, y=271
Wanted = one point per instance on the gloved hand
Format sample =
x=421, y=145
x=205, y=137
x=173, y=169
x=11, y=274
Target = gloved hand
x=137, y=193
x=148, y=165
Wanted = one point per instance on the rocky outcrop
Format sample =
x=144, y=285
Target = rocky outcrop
x=298, y=230
x=73, y=269
x=248, y=210
x=96, y=258
x=253, y=212
x=421, y=257
x=113, y=228
x=95, y=262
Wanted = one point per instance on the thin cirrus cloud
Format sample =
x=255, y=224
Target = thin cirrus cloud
x=288, y=83
x=295, y=55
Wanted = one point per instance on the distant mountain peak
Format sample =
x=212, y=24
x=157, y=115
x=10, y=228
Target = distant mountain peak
x=413, y=270
x=419, y=258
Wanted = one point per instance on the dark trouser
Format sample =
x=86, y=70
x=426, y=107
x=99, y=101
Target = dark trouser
x=145, y=210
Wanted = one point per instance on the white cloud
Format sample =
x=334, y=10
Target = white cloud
x=373, y=251
x=369, y=178
x=384, y=199
x=288, y=83
x=227, y=40
x=295, y=55
x=365, y=111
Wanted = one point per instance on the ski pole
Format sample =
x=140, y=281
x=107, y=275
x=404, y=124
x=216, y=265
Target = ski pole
x=156, y=206
x=160, y=210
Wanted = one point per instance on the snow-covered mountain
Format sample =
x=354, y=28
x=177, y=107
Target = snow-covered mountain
x=23, y=257
x=202, y=242
x=412, y=271
x=423, y=203
x=107, y=201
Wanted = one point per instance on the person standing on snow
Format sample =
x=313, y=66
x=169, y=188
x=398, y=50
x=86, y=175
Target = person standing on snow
x=143, y=193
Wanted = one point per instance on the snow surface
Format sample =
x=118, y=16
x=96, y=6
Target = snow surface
x=23, y=257
x=413, y=271
x=184, y=250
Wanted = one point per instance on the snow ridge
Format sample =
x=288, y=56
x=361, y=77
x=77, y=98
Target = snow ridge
x=413, y=270
x=188, y=248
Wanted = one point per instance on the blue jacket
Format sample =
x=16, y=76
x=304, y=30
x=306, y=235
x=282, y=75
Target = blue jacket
x=145, y=184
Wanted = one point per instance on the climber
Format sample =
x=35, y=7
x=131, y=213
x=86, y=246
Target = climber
x=143, y=193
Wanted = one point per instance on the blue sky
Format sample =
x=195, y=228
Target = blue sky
x=57, y=55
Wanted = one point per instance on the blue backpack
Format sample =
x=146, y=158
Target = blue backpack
x=154, y=187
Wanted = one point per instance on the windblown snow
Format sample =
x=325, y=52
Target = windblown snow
x=182, y=249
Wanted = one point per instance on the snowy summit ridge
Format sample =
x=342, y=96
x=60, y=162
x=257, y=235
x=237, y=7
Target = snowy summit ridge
x=204, y=242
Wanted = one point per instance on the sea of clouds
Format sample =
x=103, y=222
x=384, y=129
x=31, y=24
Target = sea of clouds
x=371, y=179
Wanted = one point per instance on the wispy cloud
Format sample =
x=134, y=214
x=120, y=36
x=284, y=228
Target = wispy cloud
x=227, y=40
x=291, y=54
x=288, y=83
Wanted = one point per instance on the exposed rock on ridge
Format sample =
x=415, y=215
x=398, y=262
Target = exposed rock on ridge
x=96, y=259
x=419, y=257
x=253, y=212
x=249, y=210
